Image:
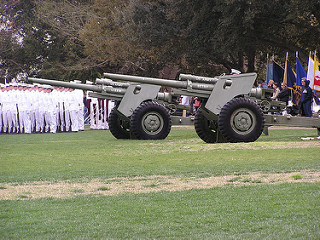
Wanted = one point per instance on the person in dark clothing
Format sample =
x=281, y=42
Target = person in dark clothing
x=284, y=93
x=306, y=99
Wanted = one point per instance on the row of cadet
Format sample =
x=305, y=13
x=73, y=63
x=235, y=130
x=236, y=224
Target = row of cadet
x=40, y=108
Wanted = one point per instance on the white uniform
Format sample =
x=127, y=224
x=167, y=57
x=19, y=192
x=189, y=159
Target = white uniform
x=185, y=100
x=31, y=98
x=1, y=104
x=60, y=111
x=14, y=110
x=66, y=99
x=79, y=99
x=104, y=112
x=11, y=111
x=40, y=121
x=73, y=108
x=50, y=113
x=94, y=112
x=36, y=107
x=27, y=108
x=56, y=102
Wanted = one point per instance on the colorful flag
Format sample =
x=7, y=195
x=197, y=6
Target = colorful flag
x=313, y=75
x=310, y=70
x=300, y=72
x=315, y=84
x=278, y=72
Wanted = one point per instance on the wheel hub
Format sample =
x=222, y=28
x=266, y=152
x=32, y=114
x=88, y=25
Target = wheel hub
x=242, y=121
x=152, y=123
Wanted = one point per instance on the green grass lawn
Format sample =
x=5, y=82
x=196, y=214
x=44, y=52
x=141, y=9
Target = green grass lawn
x=282, y=211
x=286, y=211
x=96, y=154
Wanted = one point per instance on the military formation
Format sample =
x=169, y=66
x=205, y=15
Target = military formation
x=40, y=109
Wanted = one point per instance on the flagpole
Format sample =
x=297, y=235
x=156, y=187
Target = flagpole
x=285, y=80
x=314, y=67
x=267, y=67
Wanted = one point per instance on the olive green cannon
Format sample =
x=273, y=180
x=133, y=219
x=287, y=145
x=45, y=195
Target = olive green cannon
x=231, y=109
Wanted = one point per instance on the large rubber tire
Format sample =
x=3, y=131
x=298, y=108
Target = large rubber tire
x=206, y=129
x=241, y=120
x=150, y=121
x=119, y=128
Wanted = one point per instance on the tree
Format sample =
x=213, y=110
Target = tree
x=12, y=57
x=83, y=38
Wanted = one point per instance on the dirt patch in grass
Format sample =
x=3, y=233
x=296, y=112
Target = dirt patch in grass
x=136, y=185
x=234, y=146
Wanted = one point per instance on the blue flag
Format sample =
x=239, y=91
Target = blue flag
x=291, y=77
x=269, y=72
x=300, y=72
x=278, y=73
x=291, y=82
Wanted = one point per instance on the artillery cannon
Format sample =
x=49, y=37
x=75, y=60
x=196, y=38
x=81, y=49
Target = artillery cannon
x=231, y=110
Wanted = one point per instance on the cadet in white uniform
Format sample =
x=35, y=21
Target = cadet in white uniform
x=10, y=109
x=14, y=109
x=73, y=109
x=78, y=95
x=40, y=124
x=60, y=98
x=1, y=97
x=4, y=99
x=35, y=93
x=66, y=99
x=50, y=111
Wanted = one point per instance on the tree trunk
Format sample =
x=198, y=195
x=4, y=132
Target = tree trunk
x=251, y=61
x=240, y=62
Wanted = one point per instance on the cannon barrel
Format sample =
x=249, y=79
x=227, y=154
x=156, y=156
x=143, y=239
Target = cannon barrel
x=109, y=82
x=161, y=82
x=66, y=84
x=94, y=88
x=197, y=78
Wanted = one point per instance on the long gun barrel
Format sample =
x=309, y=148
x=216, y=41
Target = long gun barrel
x=184, y=77
x=95, y=88
x=161, y=82
x=109, y=82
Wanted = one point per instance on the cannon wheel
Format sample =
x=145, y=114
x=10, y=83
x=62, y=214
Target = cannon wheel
x=241, y=120
x=119, y=128
x=206, y=129
x=150, y=121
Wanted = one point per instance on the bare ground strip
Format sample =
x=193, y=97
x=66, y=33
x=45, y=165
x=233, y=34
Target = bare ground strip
x=136, y=185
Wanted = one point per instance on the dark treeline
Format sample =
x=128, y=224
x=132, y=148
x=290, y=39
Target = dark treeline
x=80, y=39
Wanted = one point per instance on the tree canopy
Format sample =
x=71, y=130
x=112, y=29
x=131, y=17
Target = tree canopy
x=80, y=39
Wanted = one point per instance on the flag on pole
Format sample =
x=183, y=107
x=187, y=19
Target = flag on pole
x=290, y=79
x=316, y=75
x=278, y=72
x=313, y=75
x=310, y=69
x=289, y=76
x=300, y=72
x=269, y=72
